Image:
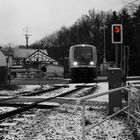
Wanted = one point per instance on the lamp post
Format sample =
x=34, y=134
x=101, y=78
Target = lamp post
x=104, y=59
x=8, y=69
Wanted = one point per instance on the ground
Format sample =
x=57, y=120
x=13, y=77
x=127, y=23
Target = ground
x=64, y=122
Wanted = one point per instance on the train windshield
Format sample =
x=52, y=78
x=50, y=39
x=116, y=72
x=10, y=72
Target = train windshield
x=83, y=52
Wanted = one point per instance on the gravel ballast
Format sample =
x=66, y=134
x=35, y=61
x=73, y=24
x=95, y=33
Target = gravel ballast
x=64, y=123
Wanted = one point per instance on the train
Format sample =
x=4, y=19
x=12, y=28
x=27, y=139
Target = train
x=82, y=62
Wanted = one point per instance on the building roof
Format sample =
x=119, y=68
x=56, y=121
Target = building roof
x=25, y=53
x=20, y=52
x=40, y=56
x=33, y=55
x=7, y=51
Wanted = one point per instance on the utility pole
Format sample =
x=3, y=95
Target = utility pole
x=27, y=35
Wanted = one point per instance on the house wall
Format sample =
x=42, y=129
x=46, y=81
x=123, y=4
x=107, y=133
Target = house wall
x=9, y=61
x=55, y=71
x=23, y=73
x=2, y=59
x=3, y=76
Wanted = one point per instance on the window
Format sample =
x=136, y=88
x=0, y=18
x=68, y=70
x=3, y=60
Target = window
x=83, y=52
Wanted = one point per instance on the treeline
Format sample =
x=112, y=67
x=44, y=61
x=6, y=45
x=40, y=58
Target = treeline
x=90, y=29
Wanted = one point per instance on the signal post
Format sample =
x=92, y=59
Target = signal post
x=115, y=74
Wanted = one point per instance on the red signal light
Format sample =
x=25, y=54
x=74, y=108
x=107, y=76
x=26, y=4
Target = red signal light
x=117, y=29
x=117, y=35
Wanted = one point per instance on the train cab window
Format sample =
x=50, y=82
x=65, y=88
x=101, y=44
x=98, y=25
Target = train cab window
x=83, y=52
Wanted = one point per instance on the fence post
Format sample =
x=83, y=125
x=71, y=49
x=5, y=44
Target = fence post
x=83, y=120
x=129, y=109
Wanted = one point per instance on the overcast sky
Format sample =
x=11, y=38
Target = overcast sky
x=43, y=17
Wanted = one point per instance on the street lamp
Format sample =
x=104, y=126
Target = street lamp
x=8, y=69
x=104, y=50
x=104, y=59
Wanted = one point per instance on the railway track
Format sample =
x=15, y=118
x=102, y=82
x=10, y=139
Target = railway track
x=30, y=101
x=26, y=103
x=94, y=105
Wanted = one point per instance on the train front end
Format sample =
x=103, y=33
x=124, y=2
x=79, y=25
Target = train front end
x=82, y=62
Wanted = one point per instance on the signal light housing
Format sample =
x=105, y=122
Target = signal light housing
x=117, y=34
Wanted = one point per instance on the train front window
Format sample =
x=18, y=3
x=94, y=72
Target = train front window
x=83, y=52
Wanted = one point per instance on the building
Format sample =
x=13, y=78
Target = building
x=26, y=63
x=2, y=59
x=3, y=71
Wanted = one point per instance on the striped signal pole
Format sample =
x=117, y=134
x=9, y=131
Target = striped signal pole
x=27, y=35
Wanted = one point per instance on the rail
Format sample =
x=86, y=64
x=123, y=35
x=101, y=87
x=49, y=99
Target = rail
x=82, y=101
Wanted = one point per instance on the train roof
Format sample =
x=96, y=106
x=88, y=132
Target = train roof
x=83, y=45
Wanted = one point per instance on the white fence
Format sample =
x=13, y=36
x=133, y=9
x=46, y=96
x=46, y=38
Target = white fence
x=128, y=107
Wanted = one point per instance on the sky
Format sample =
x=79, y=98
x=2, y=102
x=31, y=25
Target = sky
x=43, y=17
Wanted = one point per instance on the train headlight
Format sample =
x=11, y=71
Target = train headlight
x=75, y=63
x=91, y=63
